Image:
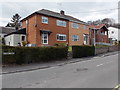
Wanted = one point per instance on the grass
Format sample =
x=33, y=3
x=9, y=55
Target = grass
x=70, y=48
x=100, y=46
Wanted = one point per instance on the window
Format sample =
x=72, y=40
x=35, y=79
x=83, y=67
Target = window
x=44, y=38
x=44, y=20
x=26, y=22
x=75, y=25
x=102, y=33
x=112, y=32
x=75, y=38
x=61, y=37
x=22, y=38
x=61, y=23
x=84, y=27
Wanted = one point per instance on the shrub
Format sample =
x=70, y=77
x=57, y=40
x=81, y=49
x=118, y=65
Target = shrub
x=83, y=51
x=60, y=44
x=24, y=43
x=115, y=43
x=33, y=54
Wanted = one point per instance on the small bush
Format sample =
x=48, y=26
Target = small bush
x=60, y=44
x=83, y=51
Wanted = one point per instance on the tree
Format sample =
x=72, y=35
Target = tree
x=108, y=21
x=15, y=22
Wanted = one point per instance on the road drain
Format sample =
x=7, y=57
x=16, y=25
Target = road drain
x=81, y=69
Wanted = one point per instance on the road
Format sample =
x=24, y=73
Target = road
x=98, y=72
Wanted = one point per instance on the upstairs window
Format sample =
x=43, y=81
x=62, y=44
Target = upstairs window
x=61, y=37
x=84, y=27
x=75, y=38
x=44, y=20
x=75, y=25
x=26, y=22
x=61, y=23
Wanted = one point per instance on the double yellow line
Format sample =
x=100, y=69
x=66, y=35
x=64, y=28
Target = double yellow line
x=117, y=87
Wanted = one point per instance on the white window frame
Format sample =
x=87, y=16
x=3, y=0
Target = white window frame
x=75, y=25
x=65, y=36
x=61, y=23
x=44, y=18
x=44, y=38
x=75, y=39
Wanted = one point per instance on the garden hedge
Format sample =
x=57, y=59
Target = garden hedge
x=83, y=51
x=33, y=54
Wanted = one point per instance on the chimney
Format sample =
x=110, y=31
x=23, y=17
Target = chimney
x=62, y=12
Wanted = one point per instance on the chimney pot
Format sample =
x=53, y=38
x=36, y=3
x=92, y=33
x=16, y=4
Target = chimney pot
x=62, y=12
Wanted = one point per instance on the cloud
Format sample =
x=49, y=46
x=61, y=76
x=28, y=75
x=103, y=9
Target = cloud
x=81, y=10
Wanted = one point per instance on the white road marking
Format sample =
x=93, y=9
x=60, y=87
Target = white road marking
x=103, y=64
x=99, y=65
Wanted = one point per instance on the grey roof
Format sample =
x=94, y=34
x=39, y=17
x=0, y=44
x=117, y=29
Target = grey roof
x=58, y=15
x=6, y=30
x=21, y=31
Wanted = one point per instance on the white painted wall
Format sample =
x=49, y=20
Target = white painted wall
x=114, y=35
x=13, y=39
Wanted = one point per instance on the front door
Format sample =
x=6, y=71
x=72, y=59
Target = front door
x=85, y=39
x=44, y=38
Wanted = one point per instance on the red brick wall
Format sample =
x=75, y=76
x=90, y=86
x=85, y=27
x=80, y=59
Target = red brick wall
x=30, y=29
x=34, y=36
x=80, y=31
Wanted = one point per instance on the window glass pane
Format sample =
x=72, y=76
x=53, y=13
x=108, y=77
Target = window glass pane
x=44, y=20
x=75, y=38
x=61, y=37
x=23, y=38
x=74, y=25
x=45, y=38
x=84, y=27
x=61, y=23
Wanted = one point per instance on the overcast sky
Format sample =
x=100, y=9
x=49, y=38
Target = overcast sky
x=84, y=11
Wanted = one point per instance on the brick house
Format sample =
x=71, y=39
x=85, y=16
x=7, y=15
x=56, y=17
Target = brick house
x=99, y=33
x=45, y=28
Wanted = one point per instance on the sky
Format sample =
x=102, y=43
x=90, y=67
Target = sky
x=85, y=10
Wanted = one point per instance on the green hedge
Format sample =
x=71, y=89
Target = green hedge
x=83, y=51
x=33, y=54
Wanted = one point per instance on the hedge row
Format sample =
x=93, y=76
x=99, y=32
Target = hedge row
x=33, y=54
x=83, y=51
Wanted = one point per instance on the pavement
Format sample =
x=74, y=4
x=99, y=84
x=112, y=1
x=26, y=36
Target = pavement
x=93, y=72
x=36, y=66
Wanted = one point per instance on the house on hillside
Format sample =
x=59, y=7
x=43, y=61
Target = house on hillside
x=15, y=38
x=99, y=34
x=45, y=28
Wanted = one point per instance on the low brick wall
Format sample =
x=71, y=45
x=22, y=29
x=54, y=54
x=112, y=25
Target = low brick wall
x=106, y=49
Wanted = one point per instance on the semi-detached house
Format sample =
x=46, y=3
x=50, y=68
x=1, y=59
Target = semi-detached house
x=45, y=28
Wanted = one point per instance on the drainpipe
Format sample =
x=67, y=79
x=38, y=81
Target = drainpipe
x=94, y=38
x=94, y=41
